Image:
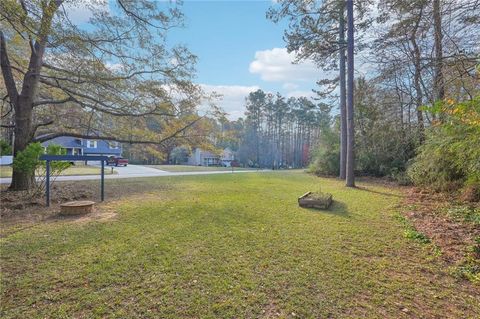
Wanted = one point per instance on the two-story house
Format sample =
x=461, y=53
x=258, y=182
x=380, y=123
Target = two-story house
x=200, y=157
x=80, y=146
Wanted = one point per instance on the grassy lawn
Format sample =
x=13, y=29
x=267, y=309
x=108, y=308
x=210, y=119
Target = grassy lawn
x=191, y=168
x=231, y=246
x=6, y=171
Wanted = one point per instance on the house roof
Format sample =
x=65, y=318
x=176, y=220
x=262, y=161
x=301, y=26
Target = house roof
x=65, y=141
x=103, y=147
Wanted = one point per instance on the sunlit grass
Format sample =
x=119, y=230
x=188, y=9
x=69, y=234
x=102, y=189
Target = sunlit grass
x=231, y=246
x=192, y=168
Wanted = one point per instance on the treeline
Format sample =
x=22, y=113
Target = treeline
x=277, y=132
x=385, y=140
x=417, y=107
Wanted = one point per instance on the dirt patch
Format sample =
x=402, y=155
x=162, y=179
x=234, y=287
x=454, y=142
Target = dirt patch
x=427, y=211
x=272, y=311
x=101, y=212
x=380, y=181
x=18, y=211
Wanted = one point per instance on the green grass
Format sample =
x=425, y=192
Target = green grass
x=231, y=246
x=465, y=214
x=410, y=231
x=6, y=171
x=191, y=168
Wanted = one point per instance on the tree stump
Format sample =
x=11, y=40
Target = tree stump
x=77, y=208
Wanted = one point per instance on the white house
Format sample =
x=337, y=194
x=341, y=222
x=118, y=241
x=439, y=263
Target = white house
x=200, y=157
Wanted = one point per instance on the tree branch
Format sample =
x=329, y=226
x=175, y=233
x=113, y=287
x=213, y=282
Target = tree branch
x=10, y=109
x=166, y=72
x=49, y=122
x=7, y=71
x=137, y=17
x=108, y=109
x=30, y=39
x=50, y=136
x=68, y=99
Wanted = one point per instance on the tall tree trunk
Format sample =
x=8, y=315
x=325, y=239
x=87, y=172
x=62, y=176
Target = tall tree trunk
x=350, y=175
x=401, y=111
x=257, y=152
x=23, y=118
x=417, y=78
x=22, y=180
x=23, y=102
x=257, y=143
x=343, y=115
x=439, y=82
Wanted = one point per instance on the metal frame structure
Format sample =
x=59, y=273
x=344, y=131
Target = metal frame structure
x=73, y=158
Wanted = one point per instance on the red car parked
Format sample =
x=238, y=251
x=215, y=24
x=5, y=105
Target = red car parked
x=117, y=161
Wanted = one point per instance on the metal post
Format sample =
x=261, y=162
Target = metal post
x=48, y=183
x=103, y=180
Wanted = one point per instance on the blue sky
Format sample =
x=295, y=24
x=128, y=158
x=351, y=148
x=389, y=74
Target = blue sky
x=225, y=36
x=239, y=51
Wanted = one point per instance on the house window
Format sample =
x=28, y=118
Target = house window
x=114, y=145
x=207, y=161
x=91, y=144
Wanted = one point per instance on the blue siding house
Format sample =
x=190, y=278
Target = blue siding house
x=80, y=146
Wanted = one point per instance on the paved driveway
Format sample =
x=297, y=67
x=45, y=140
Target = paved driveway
x=132, y=171
x=137, y=170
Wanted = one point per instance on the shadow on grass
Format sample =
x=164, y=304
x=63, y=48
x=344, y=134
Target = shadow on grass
x=337, y=208
x=366, y=189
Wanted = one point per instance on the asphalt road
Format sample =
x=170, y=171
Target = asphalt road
x=132, y=171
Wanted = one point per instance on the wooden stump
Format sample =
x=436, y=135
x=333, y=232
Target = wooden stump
x=77, y=208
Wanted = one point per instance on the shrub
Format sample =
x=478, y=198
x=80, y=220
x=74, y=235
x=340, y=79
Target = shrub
x=5, y=148
x=400, y=176
x=382, y=147
x=29, y=161
x=449, y=158
x=326, y=156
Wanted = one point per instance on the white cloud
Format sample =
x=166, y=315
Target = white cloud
x=275, y=65
x=114, y=66
x=233, y=97
x=290, y=86
x=81, y=11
